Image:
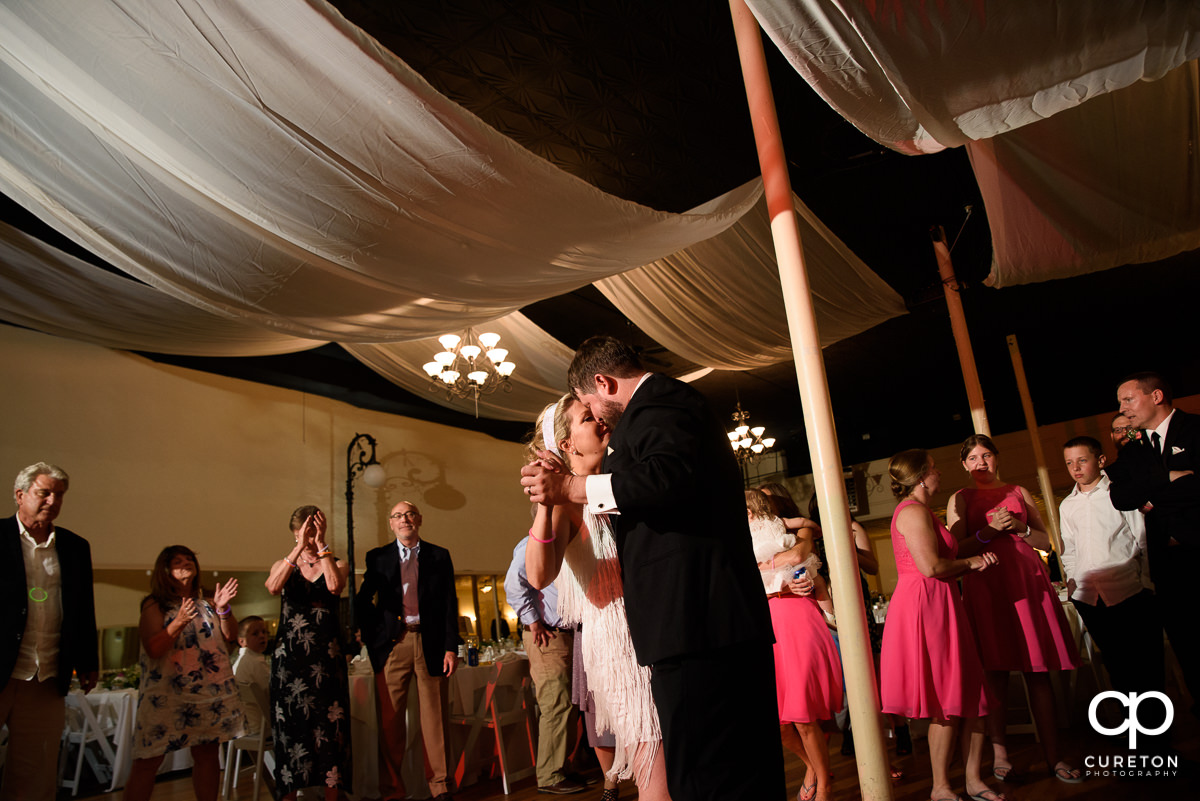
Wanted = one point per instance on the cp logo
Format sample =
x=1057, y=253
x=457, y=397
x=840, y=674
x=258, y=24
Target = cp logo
x=1131, y=723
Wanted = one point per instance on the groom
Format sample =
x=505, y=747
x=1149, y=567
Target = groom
x=696, y=608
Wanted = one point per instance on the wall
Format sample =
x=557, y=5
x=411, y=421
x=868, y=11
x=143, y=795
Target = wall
x=160, y=455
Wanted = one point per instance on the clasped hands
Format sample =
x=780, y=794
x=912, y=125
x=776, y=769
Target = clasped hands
x=545, y=480
x=311, y=535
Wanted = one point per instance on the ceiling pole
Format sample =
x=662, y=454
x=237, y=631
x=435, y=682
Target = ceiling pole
x=1039, y=456
x=858, y=664
x=962, y=337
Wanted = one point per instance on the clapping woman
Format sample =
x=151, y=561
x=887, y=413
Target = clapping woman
x=188, y=696
x=930, y=665
x=1014, y=610
x=310, y=690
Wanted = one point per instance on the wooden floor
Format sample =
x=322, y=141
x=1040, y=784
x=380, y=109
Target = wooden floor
x=1078, y=736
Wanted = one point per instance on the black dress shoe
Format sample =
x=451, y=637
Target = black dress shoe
x=565, y=787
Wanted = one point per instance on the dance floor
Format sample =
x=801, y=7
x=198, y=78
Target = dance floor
x=1079, y=740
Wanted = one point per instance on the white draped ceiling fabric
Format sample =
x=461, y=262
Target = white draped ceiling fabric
x=1110, y=180
x=273, y=178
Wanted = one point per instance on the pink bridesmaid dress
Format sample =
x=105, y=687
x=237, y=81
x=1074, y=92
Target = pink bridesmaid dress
x=929, y=665
x=1014, y=610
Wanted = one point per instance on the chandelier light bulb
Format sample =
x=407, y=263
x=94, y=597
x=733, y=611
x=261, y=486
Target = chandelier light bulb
x=505, y=369
x=489, y=340
x=449, y=376
x=758, y=431
x=432, y=368
x=497, y=355
x=469, y=351
x=742, y=430
x=449, y=341
x=733, y=437
x=768, y=442
x=757, y=447
x=445, y=357
x=477, y=376
x=745, y=443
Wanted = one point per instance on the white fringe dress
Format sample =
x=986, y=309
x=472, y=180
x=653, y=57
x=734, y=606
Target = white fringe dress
x=590, y=592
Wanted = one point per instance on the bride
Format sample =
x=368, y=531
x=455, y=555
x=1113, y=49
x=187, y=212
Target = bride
x=569, y=544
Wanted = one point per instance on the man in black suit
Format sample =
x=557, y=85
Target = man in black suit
x=695, y=602
x=48, y=631
x=408, y=613
x=1157, y=474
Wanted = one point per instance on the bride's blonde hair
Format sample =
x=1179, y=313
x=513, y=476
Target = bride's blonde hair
x=561, y=424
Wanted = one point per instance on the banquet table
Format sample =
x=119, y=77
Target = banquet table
x=119, y=707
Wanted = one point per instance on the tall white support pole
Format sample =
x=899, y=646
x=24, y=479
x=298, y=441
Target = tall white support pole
x=1039, y=457
x=962, y=338
x=859, y=667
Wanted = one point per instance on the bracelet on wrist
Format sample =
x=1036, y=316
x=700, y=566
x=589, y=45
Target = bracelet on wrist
x=1026, y=534
x=228, y=611
x=324, y=550
x=536, y=539
x=981, y=539
x=325, y=555
x=293, y=564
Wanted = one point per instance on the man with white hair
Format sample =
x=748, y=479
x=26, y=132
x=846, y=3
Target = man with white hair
x=47, y=632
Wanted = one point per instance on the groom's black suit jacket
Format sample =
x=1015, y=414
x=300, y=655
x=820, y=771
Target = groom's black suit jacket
x=691, y=580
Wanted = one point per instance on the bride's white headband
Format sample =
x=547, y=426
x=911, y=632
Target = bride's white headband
x=548, y=429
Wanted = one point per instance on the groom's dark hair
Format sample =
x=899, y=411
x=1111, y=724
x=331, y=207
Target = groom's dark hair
x=602, y=356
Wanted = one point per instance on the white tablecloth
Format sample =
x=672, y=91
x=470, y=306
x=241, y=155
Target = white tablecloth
x=120, y=708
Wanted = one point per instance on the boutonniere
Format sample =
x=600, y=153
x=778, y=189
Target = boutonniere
x=1176, y=449
x=1134, y=435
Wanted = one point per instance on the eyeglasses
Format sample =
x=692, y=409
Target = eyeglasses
x=404, y=515
x=1122, y=429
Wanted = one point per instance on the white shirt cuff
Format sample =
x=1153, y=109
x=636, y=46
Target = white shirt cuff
x=600, y=498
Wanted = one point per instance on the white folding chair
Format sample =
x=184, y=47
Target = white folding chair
x=82, y=729
x=504, y=703
x=260, y=743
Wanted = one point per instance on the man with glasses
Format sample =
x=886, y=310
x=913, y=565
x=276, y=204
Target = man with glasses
x=408, y=613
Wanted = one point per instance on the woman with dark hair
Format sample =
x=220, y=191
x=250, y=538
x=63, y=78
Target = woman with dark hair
x=188, y=697
x=930, y=665
x=310, y=691
x=1014, y=609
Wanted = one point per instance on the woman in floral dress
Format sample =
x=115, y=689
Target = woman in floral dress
x=188, y=697
x=310, y=693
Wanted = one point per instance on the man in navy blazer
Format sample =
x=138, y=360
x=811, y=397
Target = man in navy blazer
x=47, y=631
x=408, y=613
x=695, y=602
x=1158, y=474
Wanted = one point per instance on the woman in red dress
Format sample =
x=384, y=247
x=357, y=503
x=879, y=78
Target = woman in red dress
x=930, y=665
x=1014, y=610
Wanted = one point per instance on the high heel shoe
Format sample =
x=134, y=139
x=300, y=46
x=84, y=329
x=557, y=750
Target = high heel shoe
x=610, y=794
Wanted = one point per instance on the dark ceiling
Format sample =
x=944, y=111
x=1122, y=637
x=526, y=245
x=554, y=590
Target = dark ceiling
x=645, y=101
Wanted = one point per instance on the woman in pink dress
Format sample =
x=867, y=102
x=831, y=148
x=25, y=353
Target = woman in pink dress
x=808, y=671
x=931, y=667
x=1013, y=608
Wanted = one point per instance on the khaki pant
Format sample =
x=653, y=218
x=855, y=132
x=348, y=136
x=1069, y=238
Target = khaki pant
x=550, y=669
x=391, y=691
x=35, y=714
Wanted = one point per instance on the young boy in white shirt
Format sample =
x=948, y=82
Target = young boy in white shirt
x=251, y=668
x=1104, y=556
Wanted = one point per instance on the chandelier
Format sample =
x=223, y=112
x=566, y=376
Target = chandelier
x=748, y=443
x=469, y=366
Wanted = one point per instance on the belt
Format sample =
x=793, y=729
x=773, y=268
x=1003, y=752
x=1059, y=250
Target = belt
x=783, y=594
x=412, y=626
x=565, y=630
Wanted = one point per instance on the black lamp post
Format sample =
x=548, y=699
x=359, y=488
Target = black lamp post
x=360, y=458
